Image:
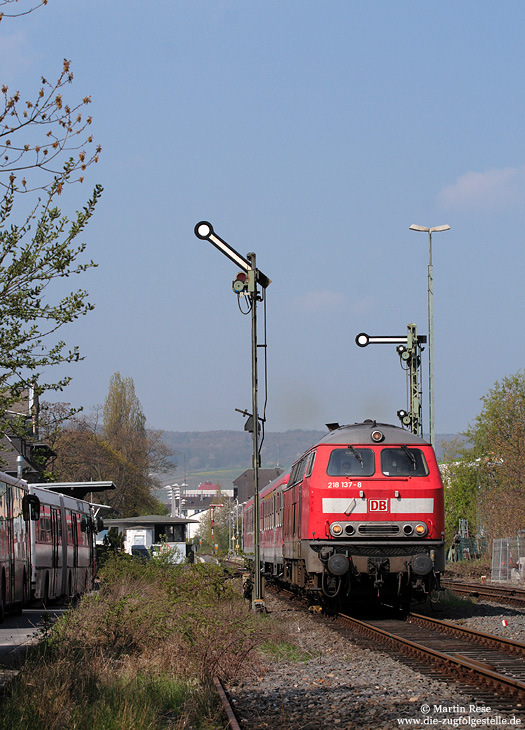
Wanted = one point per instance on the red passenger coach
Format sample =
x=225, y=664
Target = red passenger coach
x=360, y=516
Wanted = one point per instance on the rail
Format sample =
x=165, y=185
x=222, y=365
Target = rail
x=472, y=671
x=499, y=594
x=228, y=709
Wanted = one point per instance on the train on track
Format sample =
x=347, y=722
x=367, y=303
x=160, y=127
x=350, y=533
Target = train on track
x=47, y=545
x=360, y=517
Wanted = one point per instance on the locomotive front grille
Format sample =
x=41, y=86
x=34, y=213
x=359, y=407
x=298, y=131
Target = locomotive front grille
x=378, y=530
x=375, y=550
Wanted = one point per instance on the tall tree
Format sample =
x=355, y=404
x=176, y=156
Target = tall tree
x=497, y=438
x=124, y=422
x=43, y=146
x=124, y=432
x=121, y=449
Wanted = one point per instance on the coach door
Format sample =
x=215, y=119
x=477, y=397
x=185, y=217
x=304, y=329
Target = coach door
x=10, y=557
x=74, y=534
x=56, y=552
x=72, y=551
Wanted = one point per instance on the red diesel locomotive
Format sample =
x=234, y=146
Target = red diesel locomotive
x=360, y=516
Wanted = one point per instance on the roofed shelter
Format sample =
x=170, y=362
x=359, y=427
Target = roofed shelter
x=153, y=533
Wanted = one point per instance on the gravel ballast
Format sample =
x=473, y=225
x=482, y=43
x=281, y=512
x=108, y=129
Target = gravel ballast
x=345, y=685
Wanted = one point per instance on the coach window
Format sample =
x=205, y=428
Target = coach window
x=56, y=525
x=310, y=466
x=351, y=462
x=279, y=509
x=298, y=471
x=403, y=462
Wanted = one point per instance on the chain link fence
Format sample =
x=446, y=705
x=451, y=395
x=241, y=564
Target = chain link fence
x=508, y=559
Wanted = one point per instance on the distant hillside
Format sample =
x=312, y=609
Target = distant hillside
x=205, y=451
x=211, y=450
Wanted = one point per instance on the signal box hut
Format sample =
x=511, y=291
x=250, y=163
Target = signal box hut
x=153, y=534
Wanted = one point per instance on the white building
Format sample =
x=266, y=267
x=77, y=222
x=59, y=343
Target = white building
x=153, y=533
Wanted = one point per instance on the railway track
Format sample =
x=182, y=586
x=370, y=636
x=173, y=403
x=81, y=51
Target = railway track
x=434, y=649
x=483, y=660
x=233, y=723
x=499, y=594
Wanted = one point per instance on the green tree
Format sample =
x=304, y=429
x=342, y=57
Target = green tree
x=461, y=478
x=121, y=450
x=124, y=433
x=43, y=146
x=35, y=256
x=124, y=422
x=498, y=436
x=220, y=535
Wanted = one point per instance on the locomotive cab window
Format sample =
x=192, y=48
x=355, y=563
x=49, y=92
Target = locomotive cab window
x=403, y=462
x=351, y=462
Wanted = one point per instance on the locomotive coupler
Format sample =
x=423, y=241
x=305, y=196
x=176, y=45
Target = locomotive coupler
x=400, y=581
x=437, y=581
x=377, y=567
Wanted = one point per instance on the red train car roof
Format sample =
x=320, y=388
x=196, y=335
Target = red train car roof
x=361, y=433
x=281, y=481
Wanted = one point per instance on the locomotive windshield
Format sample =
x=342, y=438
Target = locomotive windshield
x=403, y=462
x=351, y=462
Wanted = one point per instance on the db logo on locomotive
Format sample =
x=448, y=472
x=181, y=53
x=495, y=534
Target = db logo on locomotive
x=378, y=505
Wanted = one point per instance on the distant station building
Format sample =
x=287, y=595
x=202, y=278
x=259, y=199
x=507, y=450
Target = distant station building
x=244, y=484
x=153, y=533
x=195, y=503
x=195, y=500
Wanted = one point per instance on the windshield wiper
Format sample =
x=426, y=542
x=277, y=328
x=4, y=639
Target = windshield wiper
x=357, y=455
x=410, y=456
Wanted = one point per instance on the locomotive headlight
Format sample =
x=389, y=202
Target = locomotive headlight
x=421, y=529
x=336, y=529
x=377, y=436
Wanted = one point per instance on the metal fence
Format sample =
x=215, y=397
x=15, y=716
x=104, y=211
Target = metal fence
x=467, y=548
x=508, y=559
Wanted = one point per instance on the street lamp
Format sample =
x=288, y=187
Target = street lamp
x=171, y=494
x=430, y=231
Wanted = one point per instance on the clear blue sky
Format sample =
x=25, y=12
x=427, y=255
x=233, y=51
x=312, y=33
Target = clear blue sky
x=315, y=134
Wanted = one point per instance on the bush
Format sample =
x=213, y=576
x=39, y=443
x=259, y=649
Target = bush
x=140, y=653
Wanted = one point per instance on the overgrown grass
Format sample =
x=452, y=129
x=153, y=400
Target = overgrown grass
x=449, y=599
x=469, y=569
x=285, y=650
x=140, y=654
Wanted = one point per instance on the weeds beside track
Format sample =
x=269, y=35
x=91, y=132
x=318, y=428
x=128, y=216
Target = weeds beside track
x=140, y=653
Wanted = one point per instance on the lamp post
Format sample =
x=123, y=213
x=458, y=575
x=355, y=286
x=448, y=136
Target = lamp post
x=246, y=283
x=430, y=231
x=174, y=493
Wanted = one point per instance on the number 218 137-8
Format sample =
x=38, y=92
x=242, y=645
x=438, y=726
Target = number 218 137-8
x=344, y=485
